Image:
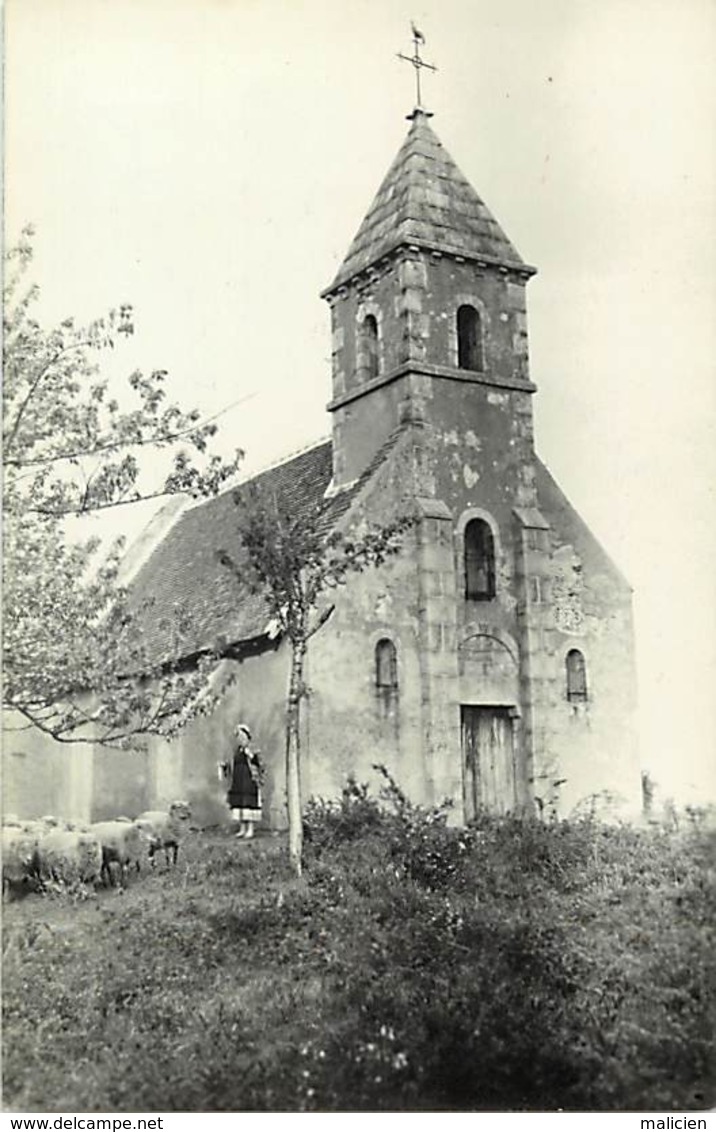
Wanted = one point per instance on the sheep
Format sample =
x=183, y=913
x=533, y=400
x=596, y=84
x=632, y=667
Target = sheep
x=77, y=825
x=19, y=857
x=69, y=856
x=163, y=830
x=122, y=844
x=49, y=821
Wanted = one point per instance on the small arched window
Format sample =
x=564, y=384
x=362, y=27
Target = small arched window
x=469, y=338
x=479, y=561
x=386, y=665
x=576, y=677
x=370, y=343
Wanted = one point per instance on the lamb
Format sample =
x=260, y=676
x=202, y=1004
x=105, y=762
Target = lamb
x=69, y=856
x=122, y=844
x=163, y=830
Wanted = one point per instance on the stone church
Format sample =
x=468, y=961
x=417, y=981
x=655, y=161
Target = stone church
x=491, y=661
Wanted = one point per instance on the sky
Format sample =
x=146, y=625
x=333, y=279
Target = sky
x=209, y=161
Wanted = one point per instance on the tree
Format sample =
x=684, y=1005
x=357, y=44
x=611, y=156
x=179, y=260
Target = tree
x=76, y=663
x=294, y=560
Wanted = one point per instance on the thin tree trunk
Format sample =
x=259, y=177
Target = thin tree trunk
x=293, y=756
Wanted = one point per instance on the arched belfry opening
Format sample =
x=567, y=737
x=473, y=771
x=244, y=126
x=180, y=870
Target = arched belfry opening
x=469, y=338
x=371, y=346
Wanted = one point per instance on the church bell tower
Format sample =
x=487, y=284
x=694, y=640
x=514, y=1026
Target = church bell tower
x=429, y=300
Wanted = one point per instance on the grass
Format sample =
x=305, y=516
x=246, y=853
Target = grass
x=513, y=966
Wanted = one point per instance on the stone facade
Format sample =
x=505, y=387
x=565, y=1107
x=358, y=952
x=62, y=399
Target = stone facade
x=495, y=667
x=491, y=661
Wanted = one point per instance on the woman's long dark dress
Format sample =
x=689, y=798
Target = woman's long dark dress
x=244, y=789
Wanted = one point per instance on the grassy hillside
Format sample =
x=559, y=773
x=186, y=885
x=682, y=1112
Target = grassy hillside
x=511, y=966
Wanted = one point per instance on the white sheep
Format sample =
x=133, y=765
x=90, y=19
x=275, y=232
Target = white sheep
x=19, y=856
x=49, y=821
x=163, y=829
x=122, y=844
x=78, y=825
x=69, y=856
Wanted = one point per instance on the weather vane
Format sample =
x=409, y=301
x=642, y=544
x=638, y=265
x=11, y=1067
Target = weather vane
x=417, y=62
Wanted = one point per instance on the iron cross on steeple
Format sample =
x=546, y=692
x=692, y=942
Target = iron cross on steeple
x=417, y=62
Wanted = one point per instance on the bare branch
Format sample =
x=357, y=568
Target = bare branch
x=70, y=450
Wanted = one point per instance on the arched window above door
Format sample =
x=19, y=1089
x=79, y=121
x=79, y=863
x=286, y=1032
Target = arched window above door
x=479, y=561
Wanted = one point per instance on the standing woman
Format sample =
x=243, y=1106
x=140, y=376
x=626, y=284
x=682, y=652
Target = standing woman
x=244, y=796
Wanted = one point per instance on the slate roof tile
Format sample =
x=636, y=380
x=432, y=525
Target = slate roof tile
x=425, y=198
x=184, y=573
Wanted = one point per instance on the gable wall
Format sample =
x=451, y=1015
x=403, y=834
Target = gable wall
x=121, y=783
x=476, y=455
x=587, y=606
x=41, y=776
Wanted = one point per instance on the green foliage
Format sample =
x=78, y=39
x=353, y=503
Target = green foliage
x=72, y=448
x=512, y=966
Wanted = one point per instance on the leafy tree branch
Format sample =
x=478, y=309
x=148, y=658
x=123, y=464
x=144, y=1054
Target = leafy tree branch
x=77, y=661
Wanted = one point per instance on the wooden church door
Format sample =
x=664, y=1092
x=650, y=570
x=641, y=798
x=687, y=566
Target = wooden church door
x=488, y=760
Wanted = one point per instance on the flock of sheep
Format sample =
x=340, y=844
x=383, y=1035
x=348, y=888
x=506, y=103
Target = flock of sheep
x=39, y=852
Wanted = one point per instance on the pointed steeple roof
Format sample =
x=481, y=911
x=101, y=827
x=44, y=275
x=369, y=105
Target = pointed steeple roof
x=425, y=200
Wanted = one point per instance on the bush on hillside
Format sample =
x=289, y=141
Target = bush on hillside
x=329, y=822
x=517, y=963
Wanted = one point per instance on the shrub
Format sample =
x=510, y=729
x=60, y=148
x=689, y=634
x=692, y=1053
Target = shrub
x=517, y=964
x=329, y=822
